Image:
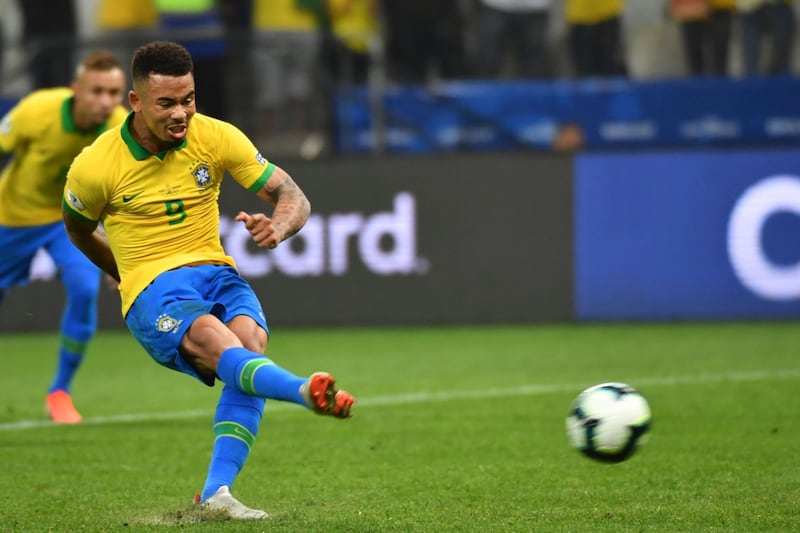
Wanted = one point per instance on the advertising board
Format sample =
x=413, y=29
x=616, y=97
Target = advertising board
x=395, y=240
x=713, y=234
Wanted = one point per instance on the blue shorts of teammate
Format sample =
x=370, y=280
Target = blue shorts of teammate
x=19, y=246
x=163, y=312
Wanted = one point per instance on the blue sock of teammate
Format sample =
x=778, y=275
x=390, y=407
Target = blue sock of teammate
x=235, y=427
x=256, y=375
x=78, y=322
x=70, y=357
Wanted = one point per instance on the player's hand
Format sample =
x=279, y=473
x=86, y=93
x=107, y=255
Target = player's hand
x=261, y=229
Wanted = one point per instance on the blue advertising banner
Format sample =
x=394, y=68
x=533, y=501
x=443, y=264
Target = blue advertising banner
x=612, y=113
x=687, y=235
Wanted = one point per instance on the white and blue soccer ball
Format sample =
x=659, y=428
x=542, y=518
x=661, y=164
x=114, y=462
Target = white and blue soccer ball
x=608, y=422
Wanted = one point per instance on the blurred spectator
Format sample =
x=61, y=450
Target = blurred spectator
x=124, y=25
x=424, y=38
x=237, y=14
x=569, y=137
x=772, y=20
x=237, y=22
x=595, y=36
x=515, y=29
x=285, y=52
x=355, y=25
x=2, y=47
x=49, y=34
x=197, y=25
x=706, y=33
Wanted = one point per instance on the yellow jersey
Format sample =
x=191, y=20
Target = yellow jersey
x=282, y=15
x=355, y=22
x=723, y=4
x=592, y=11
x=44, y=140
x=161, y=211
x=126, y=14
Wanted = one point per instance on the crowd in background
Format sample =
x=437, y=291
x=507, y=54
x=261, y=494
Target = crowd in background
x=283, y=53
x=417, y=39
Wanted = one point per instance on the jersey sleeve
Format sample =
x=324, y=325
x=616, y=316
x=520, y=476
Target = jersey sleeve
x=85, y=195
x=13, y=126
x=243, y=160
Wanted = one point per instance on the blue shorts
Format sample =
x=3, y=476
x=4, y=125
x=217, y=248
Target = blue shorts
x=161, y=314
x=19, y=246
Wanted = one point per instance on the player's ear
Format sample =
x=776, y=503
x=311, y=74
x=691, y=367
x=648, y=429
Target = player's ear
x=133, y=100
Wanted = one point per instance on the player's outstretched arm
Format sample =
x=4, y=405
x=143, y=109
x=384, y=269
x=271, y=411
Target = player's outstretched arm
x=90, y=239
x=290, y=214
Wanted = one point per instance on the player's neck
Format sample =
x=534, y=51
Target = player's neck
x=80, y=120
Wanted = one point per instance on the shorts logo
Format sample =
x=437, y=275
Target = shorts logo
x=202, y=176
x=167, y=324
x=74, y=201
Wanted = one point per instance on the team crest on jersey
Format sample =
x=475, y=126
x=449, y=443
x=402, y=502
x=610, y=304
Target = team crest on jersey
x=202, y=176
x=74, y=201
x=167, y=324
x=260, y=159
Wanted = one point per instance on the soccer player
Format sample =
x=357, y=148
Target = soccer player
x=154, y=184
x=44, y=132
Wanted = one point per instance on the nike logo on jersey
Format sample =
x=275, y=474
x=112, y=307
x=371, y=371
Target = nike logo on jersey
x=128, y=197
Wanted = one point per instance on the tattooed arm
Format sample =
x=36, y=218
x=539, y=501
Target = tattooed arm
x=290, y=214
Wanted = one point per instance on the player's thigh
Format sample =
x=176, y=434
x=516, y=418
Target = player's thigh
x=242, y=311
x=80, y=276
x=162, y=314
x=65, y=254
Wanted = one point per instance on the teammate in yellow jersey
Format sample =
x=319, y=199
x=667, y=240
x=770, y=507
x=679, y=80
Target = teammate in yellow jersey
x=43, y=133
x=154, y=183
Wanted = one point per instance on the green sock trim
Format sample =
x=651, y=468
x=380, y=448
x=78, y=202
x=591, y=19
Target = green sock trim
x=73, y=346
x=234, y=430
x=248, y=373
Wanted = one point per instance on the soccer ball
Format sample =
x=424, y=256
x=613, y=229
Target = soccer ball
x=608, y=422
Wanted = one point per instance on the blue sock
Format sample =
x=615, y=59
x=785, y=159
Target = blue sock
x=235, y=427
x=78, y=321
x=257, y=375
x=70, y=357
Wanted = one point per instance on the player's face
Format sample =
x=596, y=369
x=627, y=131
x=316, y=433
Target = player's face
x=166, y=105
x=97, y=93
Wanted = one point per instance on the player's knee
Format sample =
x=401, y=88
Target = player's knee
x=80, y=315
x=208, y=336
x=259, y=340
x=252, y=336
x=82, y=288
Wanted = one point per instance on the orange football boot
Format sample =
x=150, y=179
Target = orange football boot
x=322, y=396
x=60, y=408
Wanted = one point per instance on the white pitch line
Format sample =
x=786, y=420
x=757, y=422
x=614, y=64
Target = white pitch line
x=443, y=396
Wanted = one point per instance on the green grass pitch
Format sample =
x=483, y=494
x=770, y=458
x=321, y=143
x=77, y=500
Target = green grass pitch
x=456, y=429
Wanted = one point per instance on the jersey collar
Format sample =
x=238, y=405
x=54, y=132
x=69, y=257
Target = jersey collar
x=137, y=150
x=68, y=123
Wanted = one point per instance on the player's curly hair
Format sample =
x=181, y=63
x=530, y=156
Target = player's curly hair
x=161, y=57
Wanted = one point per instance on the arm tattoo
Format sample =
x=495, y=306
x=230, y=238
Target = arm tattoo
x=291, y=207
